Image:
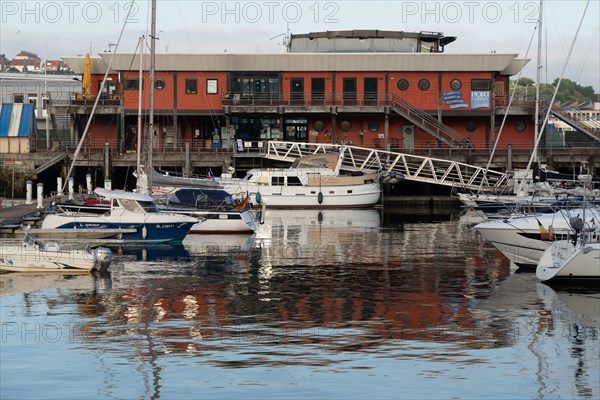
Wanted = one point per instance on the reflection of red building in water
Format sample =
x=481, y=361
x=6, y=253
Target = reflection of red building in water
x=363, y=290
x=369, y=88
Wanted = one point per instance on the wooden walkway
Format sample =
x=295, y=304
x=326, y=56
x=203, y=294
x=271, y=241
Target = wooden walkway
x=15, y=214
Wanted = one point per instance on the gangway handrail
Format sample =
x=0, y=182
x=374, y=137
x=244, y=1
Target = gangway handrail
x=412, y=167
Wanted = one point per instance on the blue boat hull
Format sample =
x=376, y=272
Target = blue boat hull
x=147, y=232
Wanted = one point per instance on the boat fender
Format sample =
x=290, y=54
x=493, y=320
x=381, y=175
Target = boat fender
x=258, y=198
x=320, y=197
x=263, y=212
x=144, y=232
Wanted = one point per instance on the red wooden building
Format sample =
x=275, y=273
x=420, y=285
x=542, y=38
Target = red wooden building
x=396, y=100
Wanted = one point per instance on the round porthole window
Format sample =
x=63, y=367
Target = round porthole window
x=319, y=126
x=346, y=126
x=373, y=126
x=471, y=126
x=520, y=126
x=159, y=84
x=423, y=84
x=455, y=84
x=402, y=84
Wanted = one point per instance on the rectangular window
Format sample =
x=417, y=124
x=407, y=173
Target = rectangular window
x=370, y=91
x=294, y=181
x=212, y=86
x=499, y=88
x=349, y=91
x=297, y=90
x=481, y=84
x=191, y=86
x=132, y=84
x=278, y=180
x=18, y=98
x=318, y=90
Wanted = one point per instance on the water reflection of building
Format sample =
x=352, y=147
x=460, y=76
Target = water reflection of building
x=376, y=288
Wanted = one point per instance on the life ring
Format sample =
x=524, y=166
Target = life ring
x=320, y=197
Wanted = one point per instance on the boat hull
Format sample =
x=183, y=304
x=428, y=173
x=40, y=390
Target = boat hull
x=26, y=259
x=221, y=222
x=563, y=260
x=521, y=240
x=308, y=196
x=144, y=229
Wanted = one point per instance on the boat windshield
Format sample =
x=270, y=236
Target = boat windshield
x=148, y=206
x=138, y=206
x=30, y=241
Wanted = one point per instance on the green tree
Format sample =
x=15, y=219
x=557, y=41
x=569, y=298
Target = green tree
x=569, y=92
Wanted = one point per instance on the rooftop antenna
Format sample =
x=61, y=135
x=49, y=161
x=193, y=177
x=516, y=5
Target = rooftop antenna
x=286, y=37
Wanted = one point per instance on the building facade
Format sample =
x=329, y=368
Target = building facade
x=404, y=101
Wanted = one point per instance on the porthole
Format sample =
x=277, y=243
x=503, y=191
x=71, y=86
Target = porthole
x=346, y=126
x=471, y=126
x=455, y=84
x=319, y=126
x=159, y=84
x=373, y=126
x=424, y=84
x=520, y=126
x=402, y=84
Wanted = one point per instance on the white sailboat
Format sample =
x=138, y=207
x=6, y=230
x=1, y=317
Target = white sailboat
x=215, y=219
x=524, y=239
x=567, y=260
x=574, y=258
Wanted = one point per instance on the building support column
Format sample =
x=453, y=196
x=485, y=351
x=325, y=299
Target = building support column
x=106, y=161
x=490, y=133
x=228, y=131
x=72, y=125
x=177, y=133
x=386, y=130
x=187, y=170
x=333, y=125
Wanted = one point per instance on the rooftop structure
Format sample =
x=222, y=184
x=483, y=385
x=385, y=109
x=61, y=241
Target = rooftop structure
x=369, y=41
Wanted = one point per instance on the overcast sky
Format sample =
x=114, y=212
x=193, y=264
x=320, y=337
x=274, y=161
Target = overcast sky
x=71, y=27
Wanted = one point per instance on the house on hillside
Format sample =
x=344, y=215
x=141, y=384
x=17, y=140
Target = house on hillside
x=26, y=61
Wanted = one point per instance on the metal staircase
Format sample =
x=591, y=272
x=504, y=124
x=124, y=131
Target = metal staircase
x=565, y=117
x=410, y=167
x=428, y=123
x=50, y=163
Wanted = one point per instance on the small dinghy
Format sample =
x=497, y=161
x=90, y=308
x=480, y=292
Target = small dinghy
x=35, y=255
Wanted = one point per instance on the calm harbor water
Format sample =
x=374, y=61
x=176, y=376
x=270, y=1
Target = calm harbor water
x=332, y=304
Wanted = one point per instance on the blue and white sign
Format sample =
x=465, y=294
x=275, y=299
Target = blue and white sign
x=480, y=99
x=454, y=99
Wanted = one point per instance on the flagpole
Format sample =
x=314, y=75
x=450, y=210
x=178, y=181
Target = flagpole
x=46, y=101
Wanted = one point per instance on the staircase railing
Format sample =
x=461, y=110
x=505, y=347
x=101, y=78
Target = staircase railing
x=428, y=123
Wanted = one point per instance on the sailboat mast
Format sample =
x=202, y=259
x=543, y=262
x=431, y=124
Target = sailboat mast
x=139, y=121
x=152, y=67
x=537, y=81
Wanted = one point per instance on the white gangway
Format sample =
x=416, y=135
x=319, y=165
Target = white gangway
x=412, y=167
